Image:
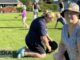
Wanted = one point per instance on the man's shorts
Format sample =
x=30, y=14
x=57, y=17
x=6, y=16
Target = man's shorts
x=36, y=47
x=35, y=11
x=39, y=48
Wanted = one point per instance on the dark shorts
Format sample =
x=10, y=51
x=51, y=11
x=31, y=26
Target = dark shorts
x=38, y=48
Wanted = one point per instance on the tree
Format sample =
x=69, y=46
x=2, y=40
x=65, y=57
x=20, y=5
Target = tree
x=23, y=1
x=48, y=1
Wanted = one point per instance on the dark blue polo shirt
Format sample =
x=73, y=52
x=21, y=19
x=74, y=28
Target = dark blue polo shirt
x=37, y=29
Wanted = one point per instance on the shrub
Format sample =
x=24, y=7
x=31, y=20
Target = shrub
x=52, y=7
x=43, y=6
x=29, y=8
x=19, y=9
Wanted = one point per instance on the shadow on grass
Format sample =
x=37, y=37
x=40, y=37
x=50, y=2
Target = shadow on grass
x=15, y=19
x=10, y=27
x=7, y=53
x=47, y=28
x=23, y=29
x=58, y=28
x=20, y=28
x=55, y=28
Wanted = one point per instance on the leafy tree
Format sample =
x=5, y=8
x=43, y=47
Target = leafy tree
x=48, y=1
x=23, y=1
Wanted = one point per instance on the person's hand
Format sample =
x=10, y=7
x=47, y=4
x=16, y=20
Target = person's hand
x=49, y=48
x=58, y=56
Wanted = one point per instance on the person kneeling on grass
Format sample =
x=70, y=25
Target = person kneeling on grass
x=37, y=39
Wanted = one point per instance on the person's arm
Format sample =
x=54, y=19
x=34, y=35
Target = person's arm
x=33, y=7
x=43, y=35
x=61, y=51
x=46, y=42
x=62, y=5
x=39, y=7
x=78, y=44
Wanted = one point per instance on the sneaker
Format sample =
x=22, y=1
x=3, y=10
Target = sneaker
x=20, y=53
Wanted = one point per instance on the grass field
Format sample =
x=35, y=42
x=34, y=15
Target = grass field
x=12, y=35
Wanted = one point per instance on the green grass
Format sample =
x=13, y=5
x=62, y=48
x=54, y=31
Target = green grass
x=12, y=34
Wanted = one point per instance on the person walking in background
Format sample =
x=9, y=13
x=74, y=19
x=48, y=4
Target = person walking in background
x=35, y=10
x=38, y=39
x=60, y=19
x=61, y=6
x=70, y=40
x=24, y=16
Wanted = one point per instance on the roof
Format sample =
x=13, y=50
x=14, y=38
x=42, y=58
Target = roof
x=8, y=1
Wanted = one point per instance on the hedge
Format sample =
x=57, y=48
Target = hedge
x=43, y=7
x=52, y=7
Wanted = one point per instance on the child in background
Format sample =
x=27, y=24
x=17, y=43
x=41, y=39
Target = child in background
x=24, y=14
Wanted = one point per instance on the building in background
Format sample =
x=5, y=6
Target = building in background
x=7, y=6
x=4, y=3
